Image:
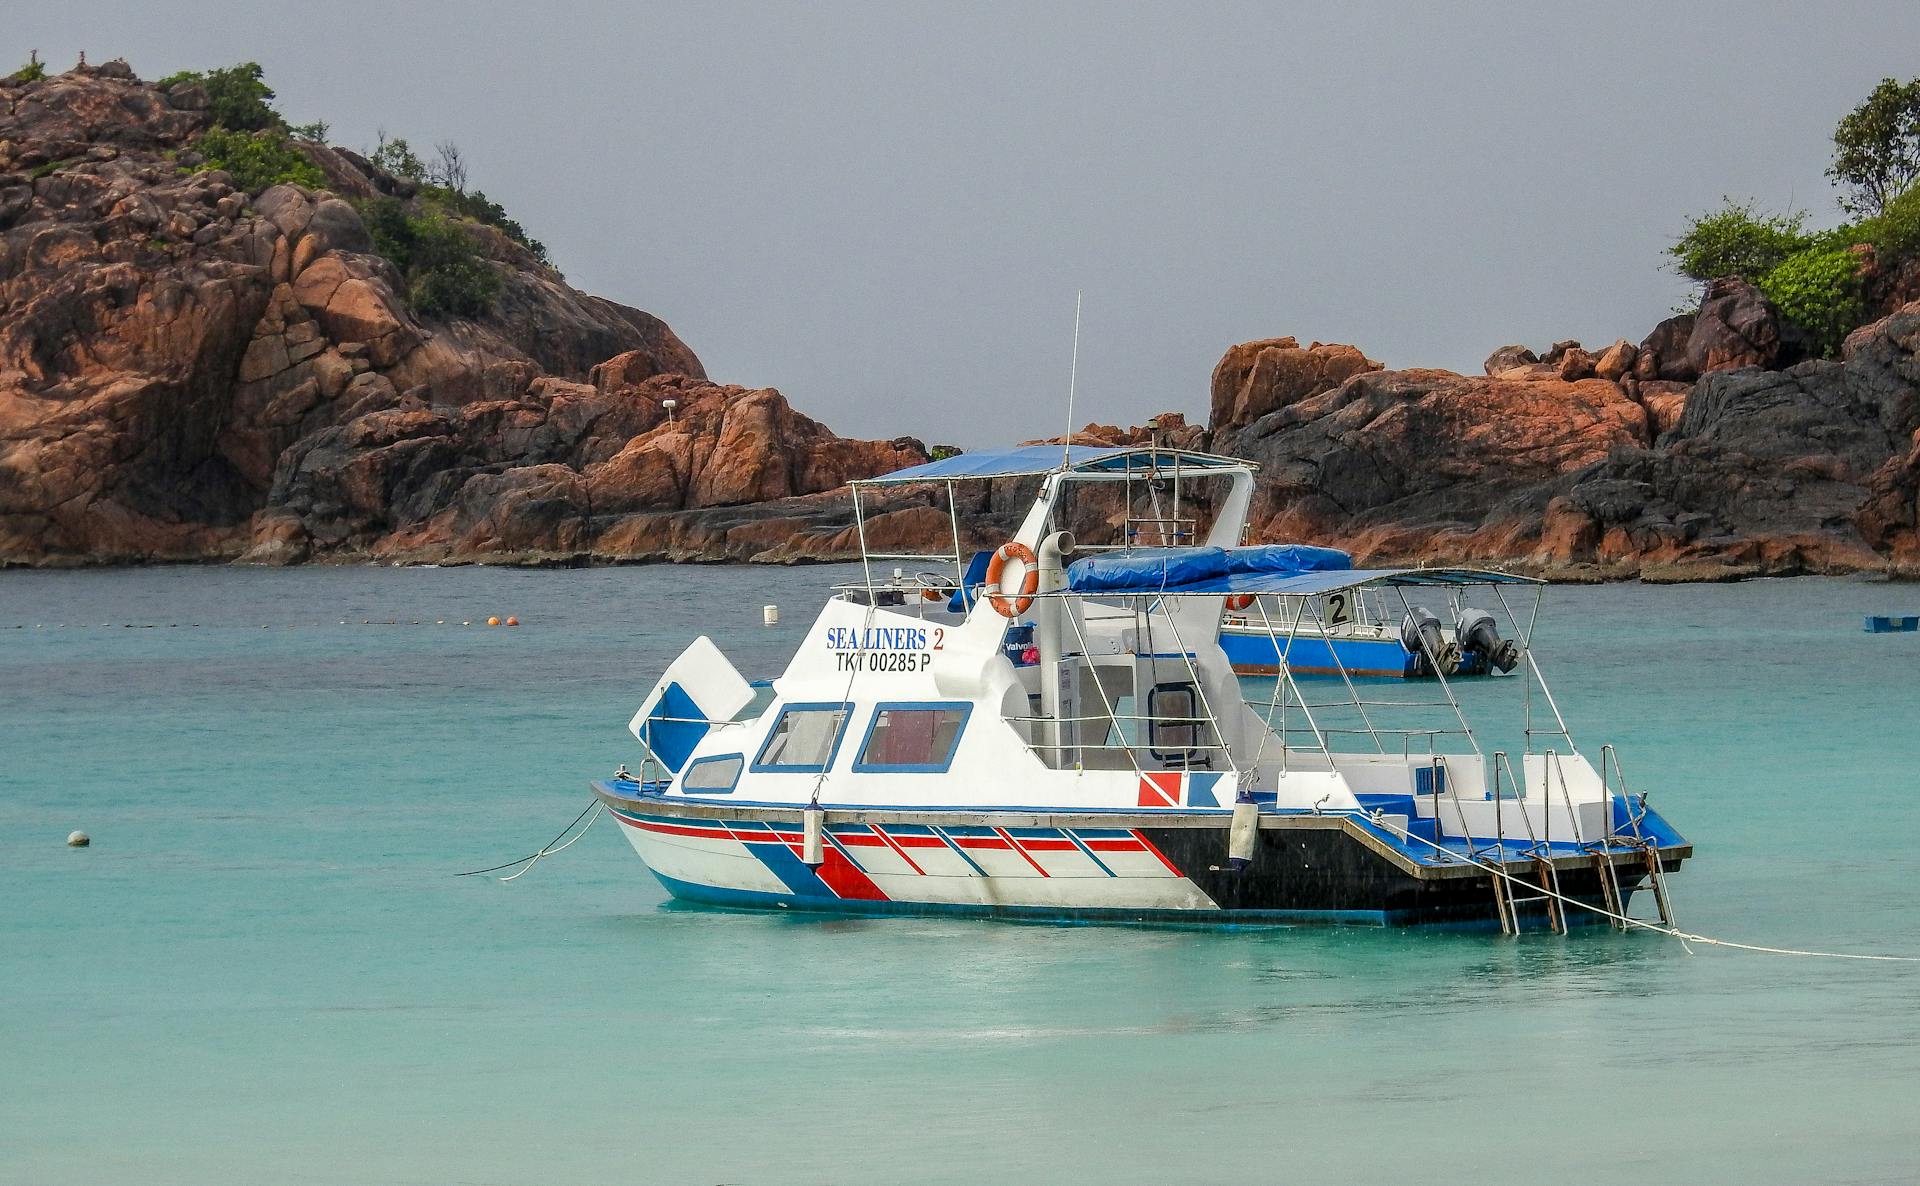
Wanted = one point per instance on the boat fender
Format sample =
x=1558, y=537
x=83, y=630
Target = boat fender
x=1476, y=629
x=1012, y=604
x=1421, y=634
x=1244, y=834
x=1239, y=601
x=813, y=829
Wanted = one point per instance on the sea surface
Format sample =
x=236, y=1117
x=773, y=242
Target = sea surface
x=265, y=971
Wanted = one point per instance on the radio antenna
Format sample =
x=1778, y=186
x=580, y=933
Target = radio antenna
x=1073, y=380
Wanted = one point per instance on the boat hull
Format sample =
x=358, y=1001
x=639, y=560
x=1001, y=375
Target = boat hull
x=1164, y=868
x=1253, y=652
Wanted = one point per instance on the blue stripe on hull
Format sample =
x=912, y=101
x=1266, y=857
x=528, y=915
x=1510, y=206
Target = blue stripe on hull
x=708, y=895
x=1381, y=657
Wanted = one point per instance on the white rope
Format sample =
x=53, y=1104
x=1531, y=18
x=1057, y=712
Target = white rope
x=550, y=849
x=1685, y=937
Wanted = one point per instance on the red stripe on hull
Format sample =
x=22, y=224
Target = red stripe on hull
x=1015, y=845
x=1171, y=867
x=845, y=879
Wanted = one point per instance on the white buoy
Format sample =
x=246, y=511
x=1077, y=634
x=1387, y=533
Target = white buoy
x=813, y=826
x=1243, y=835
x=770, y=615
x=78, y=840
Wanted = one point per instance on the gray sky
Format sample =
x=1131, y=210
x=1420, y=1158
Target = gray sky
x=885, y=209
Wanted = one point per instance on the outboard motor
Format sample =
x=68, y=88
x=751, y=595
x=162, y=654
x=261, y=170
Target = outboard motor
x=1475, y=629
x=1421, y=634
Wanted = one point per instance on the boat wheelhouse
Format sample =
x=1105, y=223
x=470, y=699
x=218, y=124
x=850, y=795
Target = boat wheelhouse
x=1053, y=730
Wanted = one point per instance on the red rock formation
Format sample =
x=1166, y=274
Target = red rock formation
x=1255, y=378
x=1171, y=428
x=189, y=371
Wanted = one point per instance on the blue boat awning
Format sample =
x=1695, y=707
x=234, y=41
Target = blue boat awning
x=1298, y=583
x=1157, y=569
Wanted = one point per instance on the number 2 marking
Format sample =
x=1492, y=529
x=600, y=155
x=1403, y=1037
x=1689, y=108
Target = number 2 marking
x=1337, y=609
x=939, y=637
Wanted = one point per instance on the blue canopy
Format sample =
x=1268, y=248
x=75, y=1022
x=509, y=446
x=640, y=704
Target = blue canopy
x=1198, y=569
x=1298, y=569
x=1028, y=460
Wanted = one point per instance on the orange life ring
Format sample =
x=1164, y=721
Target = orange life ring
x=932, y=594
x=1012, y=605
x=1239, y=601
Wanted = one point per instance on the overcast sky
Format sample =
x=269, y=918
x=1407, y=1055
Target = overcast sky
x=885, y=209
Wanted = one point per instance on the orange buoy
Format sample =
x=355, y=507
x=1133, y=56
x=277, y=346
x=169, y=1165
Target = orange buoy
x=513, y=621
x=1239, y=601
x=493, y=621
x=1012, y=604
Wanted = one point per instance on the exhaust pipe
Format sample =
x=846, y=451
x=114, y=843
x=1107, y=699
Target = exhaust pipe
x=1049, y=636
x=1476, y=629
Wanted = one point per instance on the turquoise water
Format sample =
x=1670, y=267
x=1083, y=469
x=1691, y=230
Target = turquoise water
x=264, y=971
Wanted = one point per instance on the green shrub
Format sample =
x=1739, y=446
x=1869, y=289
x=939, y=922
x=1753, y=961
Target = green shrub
x=237, y=97
x=480, y=208
x=443, y=189
x=1895, y=231
x=33, y=71
x=258, y=159
x=444, y=269
x=315, y=131
x=1736, y=241
x=1818, y=290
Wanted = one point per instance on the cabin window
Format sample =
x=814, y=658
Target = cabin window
x=713, y=776
x=1173, y=722
x=804, y=739
x=913, y=737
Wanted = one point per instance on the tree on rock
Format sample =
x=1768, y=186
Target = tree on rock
x=1876, y=147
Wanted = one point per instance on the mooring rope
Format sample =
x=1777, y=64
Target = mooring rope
x=1685, y=937
x=592, y=808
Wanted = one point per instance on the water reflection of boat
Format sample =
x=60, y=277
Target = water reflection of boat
x=1359, y=632
x=1054, y=730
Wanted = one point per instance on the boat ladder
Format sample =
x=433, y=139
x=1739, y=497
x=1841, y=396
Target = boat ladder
x=1507, y=903
x=1616, y=900
x=1604, y=851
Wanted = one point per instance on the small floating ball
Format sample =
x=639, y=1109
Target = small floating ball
x=513, y=621
x=78, y=840
x=493, y=621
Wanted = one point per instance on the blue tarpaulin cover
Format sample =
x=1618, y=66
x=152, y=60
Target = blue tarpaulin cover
x=1274, y=568
x=1197, y=569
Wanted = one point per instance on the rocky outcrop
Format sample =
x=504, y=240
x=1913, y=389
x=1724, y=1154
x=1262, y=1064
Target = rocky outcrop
x=1400, y=464
x=1168, y=428
x=189, y=371
x=1259, y=377
x=1663, y=353
x=1814, y=468
x=1736, y=327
